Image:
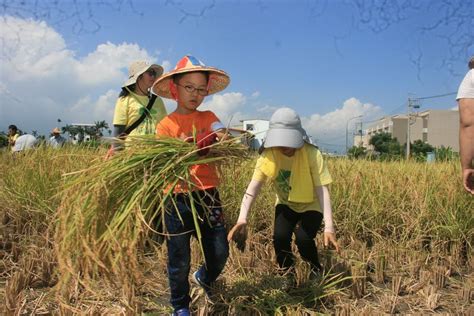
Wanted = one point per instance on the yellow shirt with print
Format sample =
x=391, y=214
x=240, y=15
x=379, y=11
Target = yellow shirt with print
x=129, y=109
x=319, y=174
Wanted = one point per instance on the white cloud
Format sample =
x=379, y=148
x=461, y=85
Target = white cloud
x=41, y=79
x=269, y=109
x=227, y=107
x=256, y=94
x=330, y=128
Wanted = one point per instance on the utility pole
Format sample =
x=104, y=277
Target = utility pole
x=413, y=103
x=347, y=130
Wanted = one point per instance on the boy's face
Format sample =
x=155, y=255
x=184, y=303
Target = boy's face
x=196, y=82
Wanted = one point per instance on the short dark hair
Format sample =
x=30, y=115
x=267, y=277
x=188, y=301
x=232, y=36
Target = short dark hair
x=471, y=63
x=13, y=127
x=178, y=76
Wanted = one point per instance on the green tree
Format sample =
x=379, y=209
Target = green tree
x=419, y=149
x=386, y=145
x=356, y=152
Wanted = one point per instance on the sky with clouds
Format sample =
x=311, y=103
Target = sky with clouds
x=329, y=60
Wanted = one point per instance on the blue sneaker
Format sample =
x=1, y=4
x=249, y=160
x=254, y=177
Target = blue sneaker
x=181, y=312
x=207, y=290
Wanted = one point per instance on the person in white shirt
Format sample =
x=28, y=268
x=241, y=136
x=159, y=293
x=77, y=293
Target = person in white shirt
x=56, y=141
x=465, y=100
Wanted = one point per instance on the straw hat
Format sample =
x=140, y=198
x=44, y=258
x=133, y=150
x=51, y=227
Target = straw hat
x=285, y=130
x=56, y=131
x=139, y=67
x=218, y=79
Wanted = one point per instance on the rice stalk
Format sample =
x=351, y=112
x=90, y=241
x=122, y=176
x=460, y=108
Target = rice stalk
x=107, y=208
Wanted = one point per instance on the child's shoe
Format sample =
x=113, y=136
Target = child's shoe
x=207, y=290
x=181, y=312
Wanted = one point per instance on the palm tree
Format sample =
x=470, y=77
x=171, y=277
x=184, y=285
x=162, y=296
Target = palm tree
x=99, y=126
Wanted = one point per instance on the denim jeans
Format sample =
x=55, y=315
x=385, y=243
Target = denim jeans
x=309, y=223
x=179, y=223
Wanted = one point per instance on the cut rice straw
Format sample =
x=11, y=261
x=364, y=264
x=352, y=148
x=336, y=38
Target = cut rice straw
x=108, y=208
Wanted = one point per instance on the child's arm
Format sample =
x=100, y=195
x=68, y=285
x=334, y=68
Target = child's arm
x=238, y=233
x=325, y=203
x=253, y=189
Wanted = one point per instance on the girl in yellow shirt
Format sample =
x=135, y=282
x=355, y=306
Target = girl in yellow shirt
x=300, y=178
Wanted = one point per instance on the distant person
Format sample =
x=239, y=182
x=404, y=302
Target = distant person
x=188, y=84
x=56, y=141
x=133, y=104
x=300, y=177
x=465, y=100
x=13, y=135
x=24, y=142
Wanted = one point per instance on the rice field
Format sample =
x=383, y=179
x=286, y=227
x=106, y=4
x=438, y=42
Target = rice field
x=406, y=229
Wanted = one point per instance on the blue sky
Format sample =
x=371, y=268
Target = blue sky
x=329, y=60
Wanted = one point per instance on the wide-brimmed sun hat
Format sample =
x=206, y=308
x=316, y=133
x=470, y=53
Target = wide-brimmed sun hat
x=56, y=131
x=285, y=130
x=139, y=67
x=218, y=79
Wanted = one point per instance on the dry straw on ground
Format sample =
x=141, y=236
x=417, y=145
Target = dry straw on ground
x=406, y=229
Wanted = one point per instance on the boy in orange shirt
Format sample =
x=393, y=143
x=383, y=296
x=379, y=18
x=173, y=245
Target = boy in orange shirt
x=188, y=84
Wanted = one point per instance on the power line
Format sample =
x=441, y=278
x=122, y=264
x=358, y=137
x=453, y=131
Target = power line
x=437, y=96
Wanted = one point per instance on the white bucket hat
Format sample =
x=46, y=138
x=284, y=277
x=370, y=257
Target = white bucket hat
x=139, y=67
x=285, y=130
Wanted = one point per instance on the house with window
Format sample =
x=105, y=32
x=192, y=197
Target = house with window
x=435, y=127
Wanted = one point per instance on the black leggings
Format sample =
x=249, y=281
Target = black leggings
x=309, y=223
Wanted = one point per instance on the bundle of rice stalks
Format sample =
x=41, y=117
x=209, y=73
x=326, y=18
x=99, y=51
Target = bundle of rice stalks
x=106, y=209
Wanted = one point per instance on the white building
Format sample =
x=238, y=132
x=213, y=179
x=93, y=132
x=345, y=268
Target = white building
x=436, y=127
x=258, y=129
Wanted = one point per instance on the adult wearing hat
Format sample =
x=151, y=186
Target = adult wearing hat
x=133, y=104
x=56, y=140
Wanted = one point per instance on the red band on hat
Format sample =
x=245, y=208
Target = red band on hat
x=211, y=77
x=173, y=90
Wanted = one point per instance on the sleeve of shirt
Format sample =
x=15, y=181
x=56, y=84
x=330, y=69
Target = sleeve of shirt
x=120, y=113
x=319, y=170
x=159, y=106
x=466, y=88
x=257, y=173
x=213, y=121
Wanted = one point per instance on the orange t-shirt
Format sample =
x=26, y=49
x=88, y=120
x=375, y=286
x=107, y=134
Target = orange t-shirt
x=204, y=176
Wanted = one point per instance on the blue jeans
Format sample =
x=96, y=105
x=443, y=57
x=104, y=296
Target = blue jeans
x=181, y=228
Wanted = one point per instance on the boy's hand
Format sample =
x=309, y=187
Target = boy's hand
x=238, y=234
x=204, y=140
x=110, y=153
x=330, y=238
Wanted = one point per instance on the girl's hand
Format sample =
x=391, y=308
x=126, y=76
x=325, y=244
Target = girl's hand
x=331, y=238
x=238, y=234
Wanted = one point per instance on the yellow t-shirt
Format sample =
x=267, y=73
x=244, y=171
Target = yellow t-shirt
x=12, y=140
x=129, y=109
x=318, y=169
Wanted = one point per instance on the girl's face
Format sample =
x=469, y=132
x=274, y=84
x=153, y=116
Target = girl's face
x=192, y=89
x=287, y=151
x=147, y=79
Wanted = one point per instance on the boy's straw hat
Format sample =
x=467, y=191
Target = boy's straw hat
x=56, y=131
x=139, y=67
x=285, y=130
x=218, y=79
